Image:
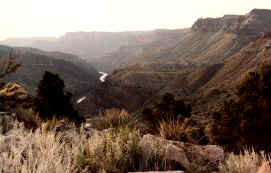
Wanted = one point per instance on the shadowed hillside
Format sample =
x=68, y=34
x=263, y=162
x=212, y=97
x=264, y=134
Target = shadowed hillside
x=78, y=75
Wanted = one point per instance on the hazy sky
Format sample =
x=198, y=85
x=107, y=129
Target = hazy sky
x=27, y=18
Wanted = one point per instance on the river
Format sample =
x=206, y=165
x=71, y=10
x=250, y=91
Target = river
x=102, y=79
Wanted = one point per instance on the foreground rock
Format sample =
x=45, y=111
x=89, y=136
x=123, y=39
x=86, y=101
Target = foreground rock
x=195, y=158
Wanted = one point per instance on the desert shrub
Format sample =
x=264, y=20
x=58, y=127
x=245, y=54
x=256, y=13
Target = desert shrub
x=114, y=118
x=52, y=100
x=30, y=118
x=182, y=130
x=118, y=151
x=246, y=162
x=39, y=151
x=246, y=120
x=167, y=107
x=45, y=150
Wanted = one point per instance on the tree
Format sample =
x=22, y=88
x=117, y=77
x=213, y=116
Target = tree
x=52, y=101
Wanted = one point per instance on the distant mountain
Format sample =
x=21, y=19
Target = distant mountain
x=208, y=41
x=27, y=42
x=78, y=75
x=88, y=45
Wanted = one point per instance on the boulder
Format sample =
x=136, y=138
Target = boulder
x=194, y=158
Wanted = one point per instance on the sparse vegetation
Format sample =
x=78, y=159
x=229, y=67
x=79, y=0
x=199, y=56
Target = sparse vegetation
x=167, y=108
x=171, y=120
x=45, y=150
x=247, y=162
x=182, y=130
x=39, y=151
x=114, y=118
x=115, y=152
x=246, y=120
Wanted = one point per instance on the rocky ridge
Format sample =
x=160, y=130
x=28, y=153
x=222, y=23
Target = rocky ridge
x=254, y=23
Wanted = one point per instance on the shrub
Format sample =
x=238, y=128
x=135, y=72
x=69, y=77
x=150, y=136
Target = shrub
x=30, y=118
x=118, y=151
x=114, y=118
x=247, y=162
x=167, y=107
x=38, y=151
x=46, y=150
x=181, y=130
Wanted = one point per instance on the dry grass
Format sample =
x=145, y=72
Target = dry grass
x=30, y=118
x=118, y=152
x=248, y=162
x=43, y=152
x=48, y=151
x=180, y=130
x=111, y=152
x=114, y=118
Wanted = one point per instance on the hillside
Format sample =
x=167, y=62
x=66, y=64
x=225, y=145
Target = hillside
x=78, y=75
x=202, y=69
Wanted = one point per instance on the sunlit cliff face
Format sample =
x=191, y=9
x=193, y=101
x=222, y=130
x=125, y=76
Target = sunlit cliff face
x=28, y=18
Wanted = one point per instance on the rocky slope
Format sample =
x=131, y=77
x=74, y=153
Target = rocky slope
x=78, y=75
x=202, y=69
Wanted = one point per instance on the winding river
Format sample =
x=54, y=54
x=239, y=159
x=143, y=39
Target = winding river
x=102, y=79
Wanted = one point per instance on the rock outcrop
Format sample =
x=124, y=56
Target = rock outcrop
x=228, y=23
x=13, y=95
x=256, y=22
x=194, y=158
x=13, y=90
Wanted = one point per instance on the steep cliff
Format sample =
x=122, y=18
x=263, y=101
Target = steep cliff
x=256, y=22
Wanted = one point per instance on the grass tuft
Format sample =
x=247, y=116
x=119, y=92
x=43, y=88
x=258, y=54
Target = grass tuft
x=247, y=162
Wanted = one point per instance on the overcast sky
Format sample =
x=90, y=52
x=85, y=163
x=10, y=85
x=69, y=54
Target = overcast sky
x=29, y=18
